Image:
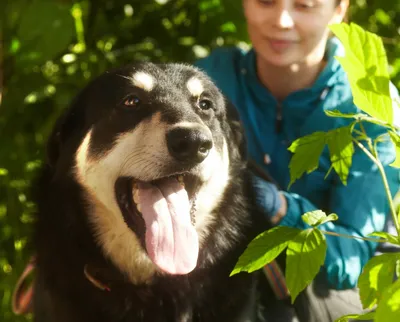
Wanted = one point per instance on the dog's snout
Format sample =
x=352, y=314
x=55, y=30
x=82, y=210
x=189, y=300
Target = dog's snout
x=190, y=145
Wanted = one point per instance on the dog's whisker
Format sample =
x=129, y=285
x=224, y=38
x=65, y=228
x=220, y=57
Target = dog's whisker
x=126, y=77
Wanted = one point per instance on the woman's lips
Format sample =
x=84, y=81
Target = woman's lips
x=280, y=45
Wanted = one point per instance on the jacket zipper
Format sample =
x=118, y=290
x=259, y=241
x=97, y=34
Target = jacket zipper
x=278, y=120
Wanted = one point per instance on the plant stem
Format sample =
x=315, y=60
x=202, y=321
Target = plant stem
x=376, y=121
x=368, y=139
x=385, y=183
x=377, y=240
x=365, y=150
x=390, y=197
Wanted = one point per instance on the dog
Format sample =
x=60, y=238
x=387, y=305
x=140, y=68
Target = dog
x=144, y=203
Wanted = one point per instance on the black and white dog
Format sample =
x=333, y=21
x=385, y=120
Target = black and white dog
x=144, y=203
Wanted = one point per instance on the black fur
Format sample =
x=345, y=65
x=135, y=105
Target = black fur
x=64, y=241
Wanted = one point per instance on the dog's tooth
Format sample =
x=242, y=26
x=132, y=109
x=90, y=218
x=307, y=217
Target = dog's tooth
x=180, y=179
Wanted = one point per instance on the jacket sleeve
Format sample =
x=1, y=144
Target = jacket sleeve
x=362, y=207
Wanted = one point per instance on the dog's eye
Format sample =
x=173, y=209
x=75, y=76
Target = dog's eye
x=132, y=100
x=204, y=104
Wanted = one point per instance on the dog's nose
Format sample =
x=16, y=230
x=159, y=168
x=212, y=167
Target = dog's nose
x=190, y=145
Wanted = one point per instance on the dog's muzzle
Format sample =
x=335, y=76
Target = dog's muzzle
x=190, y=145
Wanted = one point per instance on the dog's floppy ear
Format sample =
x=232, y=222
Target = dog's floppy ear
x=236, y=127
x=70, y=120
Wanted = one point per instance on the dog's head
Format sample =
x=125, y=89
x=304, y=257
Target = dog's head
x=153, y=146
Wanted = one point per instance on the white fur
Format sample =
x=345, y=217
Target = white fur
x=215, y=174
x=143, y=80
x=195, y=86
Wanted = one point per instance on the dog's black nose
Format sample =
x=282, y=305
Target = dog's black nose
x=190, y=145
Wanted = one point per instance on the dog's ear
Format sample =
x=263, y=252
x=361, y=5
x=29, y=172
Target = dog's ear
x=70, y=120
x=236, y=128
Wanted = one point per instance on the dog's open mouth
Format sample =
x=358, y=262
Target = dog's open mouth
x=161, y=213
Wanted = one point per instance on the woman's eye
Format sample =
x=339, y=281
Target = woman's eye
x=266, y=2
x=305, y=5
x=132, y=100
x=204, y=104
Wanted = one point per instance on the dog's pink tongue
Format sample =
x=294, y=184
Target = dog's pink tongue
x=171, y=240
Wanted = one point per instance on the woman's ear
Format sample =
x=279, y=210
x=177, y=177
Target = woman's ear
x=341, y=12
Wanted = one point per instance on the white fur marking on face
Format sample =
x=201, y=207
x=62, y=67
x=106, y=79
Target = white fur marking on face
x=195, y=86
x=98, y=176
x=143, y=80
x=215, y=174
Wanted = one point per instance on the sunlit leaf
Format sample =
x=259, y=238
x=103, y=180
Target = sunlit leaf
x=317, y=217
x=307, y=151
x=362, y=317
x=377, y=274
x=389, y=237
x=306, y=251
x=265, y=248
x=389, y=307
x=366, y=66
x=396, y=141
x=336, y=113
x=341, y=150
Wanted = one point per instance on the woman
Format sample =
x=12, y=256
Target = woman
x=282, y=88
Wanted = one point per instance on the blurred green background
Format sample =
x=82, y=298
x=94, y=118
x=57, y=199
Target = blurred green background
x=49, y=49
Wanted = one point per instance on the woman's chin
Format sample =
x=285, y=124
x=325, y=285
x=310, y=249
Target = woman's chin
x=281, y=60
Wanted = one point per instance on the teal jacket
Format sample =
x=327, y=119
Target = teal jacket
x=361, y=205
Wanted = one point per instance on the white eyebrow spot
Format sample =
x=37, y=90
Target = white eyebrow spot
x=143, y=81
x=195, y=86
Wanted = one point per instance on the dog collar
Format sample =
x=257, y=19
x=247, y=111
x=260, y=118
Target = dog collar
x=92, y=278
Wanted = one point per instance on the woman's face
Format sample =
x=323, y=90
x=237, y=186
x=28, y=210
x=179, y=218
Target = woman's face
x=287, y=32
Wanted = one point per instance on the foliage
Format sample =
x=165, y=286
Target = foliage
x=366, y=66
x=49, y=49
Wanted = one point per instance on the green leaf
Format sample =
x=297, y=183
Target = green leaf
x=362, y=317
x=312, y=218
x=307, y=151
x=377, y=274
x=264, y=248
x=389, y=308
x=389, y=237
x=366, y=66
x=307, y=250
x=341, y=150
x=396, y=141
x=317, y=217
x=45, y=37
x=330, y=217
x=398, y=268
x=336, y=113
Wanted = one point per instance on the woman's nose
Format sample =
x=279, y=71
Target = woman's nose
x=284, y=19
